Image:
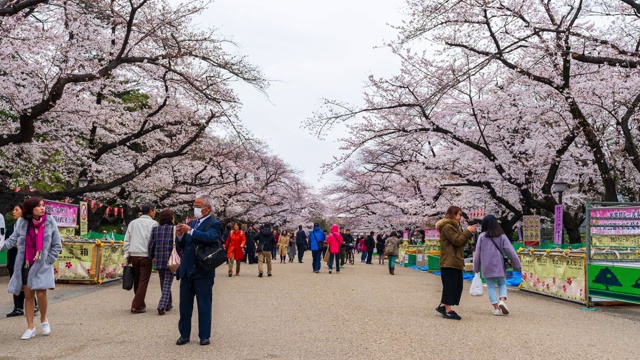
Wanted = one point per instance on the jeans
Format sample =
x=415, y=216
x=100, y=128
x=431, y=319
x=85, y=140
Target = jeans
x=392, y=262
x=491, y=288
x=364, y=256
x=337, y=259
x=317, y=257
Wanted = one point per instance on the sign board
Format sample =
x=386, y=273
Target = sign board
x=65, y=215
x=615, y=282
x=84, y=218
x=531, y=230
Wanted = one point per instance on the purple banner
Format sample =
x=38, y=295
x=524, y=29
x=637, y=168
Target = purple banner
x=557, y=225
x=619, y=213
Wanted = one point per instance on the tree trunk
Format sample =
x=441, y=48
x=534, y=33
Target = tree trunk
x=572, y=227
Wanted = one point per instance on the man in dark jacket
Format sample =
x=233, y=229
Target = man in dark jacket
x=196, y=281
x=266, y=242
x=301, y=243
x=370, y=243
x=251, y=245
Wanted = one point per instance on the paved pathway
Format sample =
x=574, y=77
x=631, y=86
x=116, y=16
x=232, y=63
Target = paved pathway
x=296, y=314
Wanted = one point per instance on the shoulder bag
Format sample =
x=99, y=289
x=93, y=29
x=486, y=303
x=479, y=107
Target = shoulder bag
x=504, y=261
x=209, y=257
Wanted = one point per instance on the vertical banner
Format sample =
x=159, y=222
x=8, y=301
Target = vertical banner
x=557, y=225
x=531, y=230
x=84, y=218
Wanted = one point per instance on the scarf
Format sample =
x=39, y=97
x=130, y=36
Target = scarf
x=33, y=241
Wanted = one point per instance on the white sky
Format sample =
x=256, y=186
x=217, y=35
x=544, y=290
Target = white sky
x=311, y=50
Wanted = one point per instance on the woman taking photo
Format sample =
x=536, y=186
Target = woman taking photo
x=283, y=246
x=160, y=247
x=491, y=246
x=39, y=245
x=236, y=241
x=452, y=242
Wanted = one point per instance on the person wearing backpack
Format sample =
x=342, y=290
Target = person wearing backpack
x=391, y=247
x=489, y=258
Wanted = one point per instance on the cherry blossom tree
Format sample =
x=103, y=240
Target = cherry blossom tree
x=502, y=109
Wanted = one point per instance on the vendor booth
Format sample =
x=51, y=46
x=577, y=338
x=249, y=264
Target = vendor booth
x=613, y=252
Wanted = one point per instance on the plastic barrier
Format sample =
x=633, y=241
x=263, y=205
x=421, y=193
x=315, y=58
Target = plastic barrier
x=560, y=274
x=89, y=262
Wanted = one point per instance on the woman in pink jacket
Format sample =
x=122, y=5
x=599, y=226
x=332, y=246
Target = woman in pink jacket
x=334, y=240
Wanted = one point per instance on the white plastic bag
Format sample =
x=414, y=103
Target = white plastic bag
x=476, y=286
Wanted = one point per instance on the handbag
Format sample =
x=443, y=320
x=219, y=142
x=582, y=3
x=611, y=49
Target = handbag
x=209, y=257
x=174, y=259
x=476, y=286
x=127, y=277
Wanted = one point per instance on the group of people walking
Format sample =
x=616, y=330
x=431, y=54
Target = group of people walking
x=35, y=244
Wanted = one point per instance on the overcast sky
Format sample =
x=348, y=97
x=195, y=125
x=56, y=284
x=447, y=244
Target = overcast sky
x=311, y=50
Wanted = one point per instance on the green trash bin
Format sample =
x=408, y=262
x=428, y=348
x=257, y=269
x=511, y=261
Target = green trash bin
x=411, y=260
x=433, y=263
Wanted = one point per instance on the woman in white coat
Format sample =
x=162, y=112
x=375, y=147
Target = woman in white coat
x=39, y=245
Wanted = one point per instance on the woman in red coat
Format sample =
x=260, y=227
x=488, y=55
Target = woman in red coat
x=234, y=245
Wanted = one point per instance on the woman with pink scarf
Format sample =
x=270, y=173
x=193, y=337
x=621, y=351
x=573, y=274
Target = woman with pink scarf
x=39, y=245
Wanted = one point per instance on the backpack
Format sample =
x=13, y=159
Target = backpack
x=389, y=248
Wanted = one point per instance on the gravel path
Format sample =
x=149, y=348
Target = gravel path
x=296, y=314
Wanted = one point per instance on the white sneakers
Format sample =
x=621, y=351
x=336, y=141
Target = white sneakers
x=497, y=312
x=45, y=327
x=29, y=334
x=503, y=306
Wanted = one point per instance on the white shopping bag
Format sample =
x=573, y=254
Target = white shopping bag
x=476, y=286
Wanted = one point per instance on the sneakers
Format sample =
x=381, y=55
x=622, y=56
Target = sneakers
x=259, y=274
x=46, y=328
x=497, y=312
x=269, y=274
x=35, y=310
x=441, y=310
x=503, y=306
x=16, y=312
x=452, y=315
x=329, y=271
x=29, y=334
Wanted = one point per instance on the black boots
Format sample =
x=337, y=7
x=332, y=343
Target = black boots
x=391, y=271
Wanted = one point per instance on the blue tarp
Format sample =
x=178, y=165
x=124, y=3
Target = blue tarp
x=514, y=278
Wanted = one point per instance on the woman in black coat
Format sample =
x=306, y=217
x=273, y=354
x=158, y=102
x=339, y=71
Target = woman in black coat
x=380, y=248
